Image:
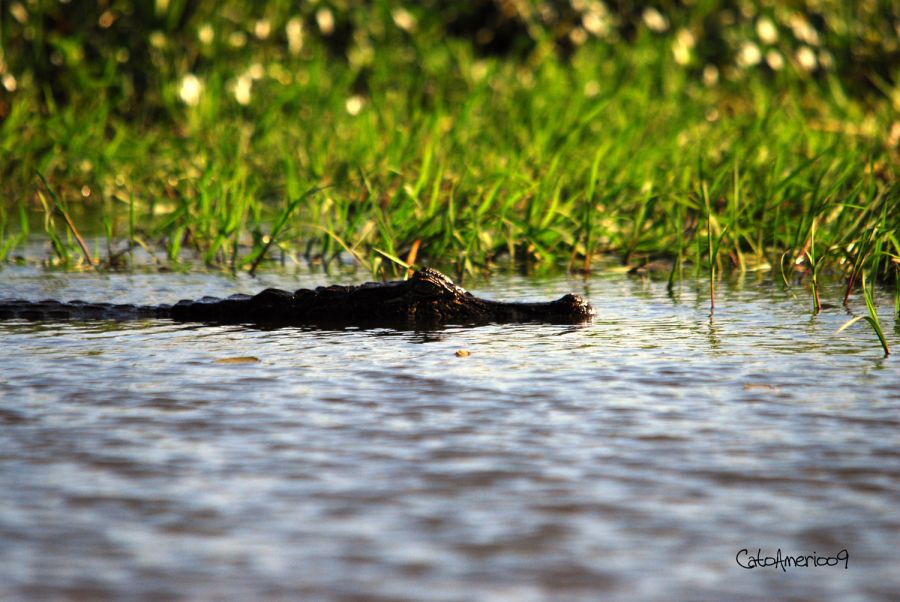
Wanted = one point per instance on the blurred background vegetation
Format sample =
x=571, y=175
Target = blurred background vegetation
x=470, y=130
x=71, y=47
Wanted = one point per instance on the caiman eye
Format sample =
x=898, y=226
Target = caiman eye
x=431, y=284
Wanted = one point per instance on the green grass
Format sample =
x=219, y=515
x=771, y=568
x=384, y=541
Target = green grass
x=619, y=151
x=872, y=318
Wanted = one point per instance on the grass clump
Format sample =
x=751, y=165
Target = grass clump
x=872, y=318
x=207, y=125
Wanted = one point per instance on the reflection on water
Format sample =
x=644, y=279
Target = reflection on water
x=628, y=459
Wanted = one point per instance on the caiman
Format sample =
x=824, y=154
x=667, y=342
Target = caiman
x=427, y=298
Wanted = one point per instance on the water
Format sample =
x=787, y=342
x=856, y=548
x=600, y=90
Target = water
x=632, y=458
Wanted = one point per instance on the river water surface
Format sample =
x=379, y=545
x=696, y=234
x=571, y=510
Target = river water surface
x=631, y=458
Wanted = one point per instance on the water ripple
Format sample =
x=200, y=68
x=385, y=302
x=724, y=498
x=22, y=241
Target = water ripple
x=630, y=458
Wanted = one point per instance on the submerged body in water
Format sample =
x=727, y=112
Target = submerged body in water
x=428, y=297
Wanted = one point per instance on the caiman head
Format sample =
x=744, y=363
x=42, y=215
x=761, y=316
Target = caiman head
x=432, y=297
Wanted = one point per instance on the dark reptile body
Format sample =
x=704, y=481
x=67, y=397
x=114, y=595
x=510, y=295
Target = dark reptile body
x=426, y=298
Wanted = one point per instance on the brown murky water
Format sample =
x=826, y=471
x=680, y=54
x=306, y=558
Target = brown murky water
x=632, y=458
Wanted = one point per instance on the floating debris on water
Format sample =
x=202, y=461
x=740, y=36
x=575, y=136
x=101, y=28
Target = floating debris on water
x=245, y=359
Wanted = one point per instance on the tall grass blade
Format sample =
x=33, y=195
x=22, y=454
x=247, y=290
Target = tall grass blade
x=60, y=208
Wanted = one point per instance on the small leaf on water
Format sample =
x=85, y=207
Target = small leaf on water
x=761, y=387
x=462, y=353
x=245, y=359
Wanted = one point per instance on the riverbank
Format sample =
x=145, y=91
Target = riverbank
x=253, y=138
